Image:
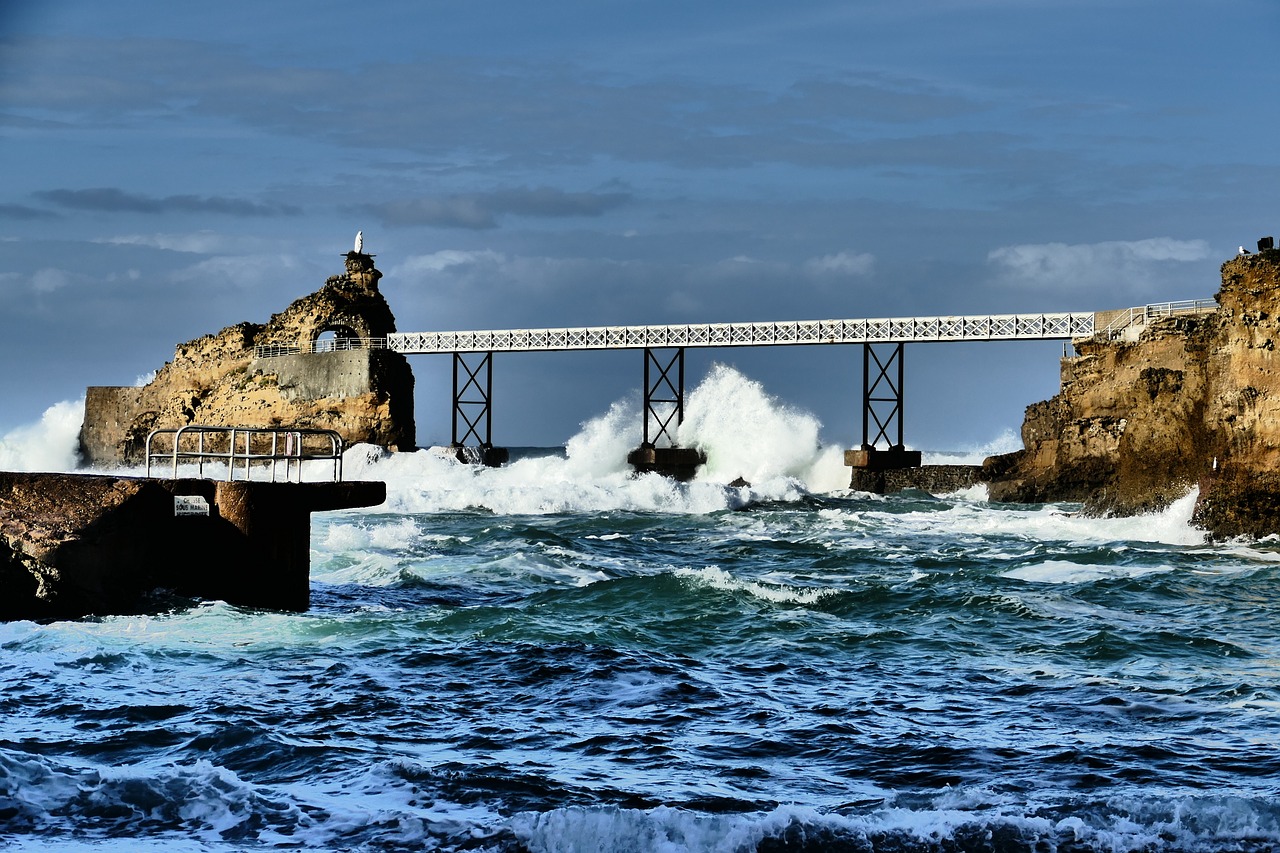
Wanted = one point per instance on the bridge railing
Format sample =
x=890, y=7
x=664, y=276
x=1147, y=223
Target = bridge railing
x=904, y=329
x=321, y=345
x=244, y=450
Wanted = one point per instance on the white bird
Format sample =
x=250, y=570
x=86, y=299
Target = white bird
x=360, y=241
x=1243, y=250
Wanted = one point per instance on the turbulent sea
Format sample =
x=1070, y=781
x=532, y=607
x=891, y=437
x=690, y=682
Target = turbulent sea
x=557, y=656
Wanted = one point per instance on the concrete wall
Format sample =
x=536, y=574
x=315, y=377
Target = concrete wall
x=108, y=412
x=316, y=376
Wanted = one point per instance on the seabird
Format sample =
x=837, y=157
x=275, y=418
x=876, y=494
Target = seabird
x=360, y=242
x=1243, y=250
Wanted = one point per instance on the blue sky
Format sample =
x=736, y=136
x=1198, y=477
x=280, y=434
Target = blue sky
x=171, y=169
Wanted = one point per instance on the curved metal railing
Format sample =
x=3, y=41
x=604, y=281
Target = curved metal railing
x=245, y=449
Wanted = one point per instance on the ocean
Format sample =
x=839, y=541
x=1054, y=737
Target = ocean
x=559, y=656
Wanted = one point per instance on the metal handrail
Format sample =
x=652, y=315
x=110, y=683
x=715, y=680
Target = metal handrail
x=321, y=345
x=285, y=445
x=1142, y=313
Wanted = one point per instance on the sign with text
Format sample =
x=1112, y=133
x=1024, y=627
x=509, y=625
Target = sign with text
x=190, y=505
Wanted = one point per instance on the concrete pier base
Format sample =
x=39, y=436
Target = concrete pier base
x=489, y=457
x=934, y=479
x=883, y=472
x=679, y=463
x=74, y=545
x=872, y=459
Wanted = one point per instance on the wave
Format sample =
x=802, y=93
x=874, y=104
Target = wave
x=50, y=444
x=991, y=823
x=399, y=804
x=747, y=435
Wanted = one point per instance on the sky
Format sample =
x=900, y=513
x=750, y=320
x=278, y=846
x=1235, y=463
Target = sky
x=172, y=168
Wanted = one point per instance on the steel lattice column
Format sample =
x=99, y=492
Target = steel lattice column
x=665, y=392
x=473, y=411
x=882, y=395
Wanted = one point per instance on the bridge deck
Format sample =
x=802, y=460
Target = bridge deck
x=977, y=327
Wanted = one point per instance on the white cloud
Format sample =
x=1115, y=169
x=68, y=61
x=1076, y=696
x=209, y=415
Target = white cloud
x=842, y=263
x=199, y=242
x=435, y=262
x=239, y=271
x=1120, y=265
x=49, y=279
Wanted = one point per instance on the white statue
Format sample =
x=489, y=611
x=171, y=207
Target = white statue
x=360, y=242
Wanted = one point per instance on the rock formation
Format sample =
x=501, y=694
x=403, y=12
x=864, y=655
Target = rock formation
x=1194, y=400
x=256, y=375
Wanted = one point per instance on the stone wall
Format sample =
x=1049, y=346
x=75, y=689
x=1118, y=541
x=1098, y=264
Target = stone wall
x=1193, y=401
x=366, y=395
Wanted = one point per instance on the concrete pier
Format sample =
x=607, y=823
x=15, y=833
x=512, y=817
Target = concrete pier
x=896, y=469
x=74, y=545
x=934, y=479
x=679, y=463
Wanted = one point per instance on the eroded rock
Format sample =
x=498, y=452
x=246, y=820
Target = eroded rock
x=1195, y=401
x=364, y=393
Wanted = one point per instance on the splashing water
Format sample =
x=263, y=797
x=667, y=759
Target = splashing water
x=52, y=444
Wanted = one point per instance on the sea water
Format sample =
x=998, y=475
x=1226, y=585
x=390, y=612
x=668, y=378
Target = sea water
x=560, y=656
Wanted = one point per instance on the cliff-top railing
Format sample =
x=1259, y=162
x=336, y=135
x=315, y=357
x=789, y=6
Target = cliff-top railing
x=244, y=450
x=1112, y=324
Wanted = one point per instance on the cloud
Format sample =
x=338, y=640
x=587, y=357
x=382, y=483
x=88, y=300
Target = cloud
x=482, y=210
x=435, y=262
x=1116, y=265
x=49, y=279
x=113, y=200
x=21, y=211
x=198, y=242
x=242, y=272
x=842, y=264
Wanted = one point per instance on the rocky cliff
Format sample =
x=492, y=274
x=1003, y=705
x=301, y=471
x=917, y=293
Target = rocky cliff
x=364, y=393
x=1194, y=400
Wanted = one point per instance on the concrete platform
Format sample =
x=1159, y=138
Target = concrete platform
x=74, y=545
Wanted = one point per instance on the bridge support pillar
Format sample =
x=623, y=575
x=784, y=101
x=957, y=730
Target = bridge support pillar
x=473, y=411
x=882, y=408
x=664, y=412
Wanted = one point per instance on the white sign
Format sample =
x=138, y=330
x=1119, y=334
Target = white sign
x=190, y=505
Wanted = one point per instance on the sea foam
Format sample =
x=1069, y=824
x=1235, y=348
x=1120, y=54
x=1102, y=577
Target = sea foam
x=746, y=433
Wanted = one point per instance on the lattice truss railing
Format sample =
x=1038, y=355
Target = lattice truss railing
x=905, y=330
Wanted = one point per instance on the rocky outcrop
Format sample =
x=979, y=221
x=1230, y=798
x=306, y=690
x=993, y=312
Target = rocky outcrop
x=364, y=393
x=1192, y=401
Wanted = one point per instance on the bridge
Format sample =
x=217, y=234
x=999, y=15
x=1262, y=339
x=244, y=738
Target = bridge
x=882, y=340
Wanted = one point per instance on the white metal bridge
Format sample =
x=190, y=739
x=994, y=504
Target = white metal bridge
x=882, y=340
x=978, y=327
